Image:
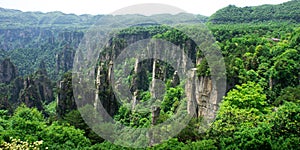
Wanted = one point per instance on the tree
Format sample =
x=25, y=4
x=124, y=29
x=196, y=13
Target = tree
x=247, y=96
x=57, y=136
x=243, y=109
x=29, y=125
x=26, y=124
x=171, y=99
x=286, y=69
x=290, y=94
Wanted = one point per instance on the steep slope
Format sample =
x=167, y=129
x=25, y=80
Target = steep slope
x=28, y=38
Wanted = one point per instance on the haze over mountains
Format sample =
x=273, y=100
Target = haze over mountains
x=281, y=12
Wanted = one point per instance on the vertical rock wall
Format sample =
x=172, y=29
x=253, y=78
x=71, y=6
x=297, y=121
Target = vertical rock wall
x=8, y=71
x=202, y=95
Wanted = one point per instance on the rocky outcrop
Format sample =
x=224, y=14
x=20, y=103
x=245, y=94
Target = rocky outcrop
x=104, y=96
x=69, y=42
x=27, y=46
x=201, y=91
x=44, y=86
x=64, y=60
x=157, y=88
x=8, y=71
x=175, y=79
x=34, y=90
x=30, y=95
x=202, y=95
x=37, y=90
x=65, y=97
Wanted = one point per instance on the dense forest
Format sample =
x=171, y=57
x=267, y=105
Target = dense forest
x=279, y=13
x=41, y=107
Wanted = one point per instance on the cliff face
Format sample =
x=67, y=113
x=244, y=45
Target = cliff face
x=105, y=73
x=21, y=38
x=202, y=95
x=152, y=75
x=37, y=90
x=64, y=60
x=33, y=90
x=104, y=91
x=28, y=46
x=65, y=97
x=8, y=71
x=29, y=95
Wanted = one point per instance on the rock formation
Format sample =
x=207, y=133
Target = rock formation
x=104, y=96
x=34, y=90
x=64, y=60
x=65, y=98
x=202, y=95
x=8, y=71
x=37, y=90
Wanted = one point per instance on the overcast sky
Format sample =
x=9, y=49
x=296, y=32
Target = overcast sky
x=204, y=7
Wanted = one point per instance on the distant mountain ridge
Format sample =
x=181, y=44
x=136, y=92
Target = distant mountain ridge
x=16, y=18
x=288, y=11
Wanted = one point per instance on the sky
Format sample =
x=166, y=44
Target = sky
x=94, y=7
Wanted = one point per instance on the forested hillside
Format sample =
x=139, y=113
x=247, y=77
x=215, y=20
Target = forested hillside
x=288, y=11
x=41, y=107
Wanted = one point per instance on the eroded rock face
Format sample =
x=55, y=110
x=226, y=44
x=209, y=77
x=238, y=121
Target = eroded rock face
x=64, y=60
x=105, y=96
x=33, y=90
x=8, y=71
x=202, y=95
x=36, y=90
x=30, y=95
x=201, y=92
x=65, y=97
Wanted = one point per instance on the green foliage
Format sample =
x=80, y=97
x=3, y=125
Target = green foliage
x=259, y=69
x=171, y=144
x=284, y=12
x=145, y=96
x=290, y=94
x=295, y=38
x=4, y=123
x=136, y=119
x=240, y=116
x=50, y=109
x=25, y=123
x=249, y=137
x=192, y=131
x=286, y=68
x=202, y=144
x=123, y=115
x=287, y=120
x=203, y=68
x=173, y=35
x=29, y=125
x=172, y=99
x=285, y=130
x=247, y=96
x=291, y=142
x=57, y=136
x=75, y=119
x=107, y=146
